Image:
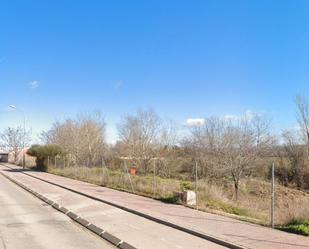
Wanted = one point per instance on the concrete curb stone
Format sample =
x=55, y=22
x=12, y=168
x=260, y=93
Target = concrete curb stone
x=72, y=215
x=125, y=245
x=95, y=229
x=111, y=238
x=63, y=210
x=82, y=221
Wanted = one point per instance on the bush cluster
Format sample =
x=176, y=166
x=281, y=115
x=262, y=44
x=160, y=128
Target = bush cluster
x=42, y=152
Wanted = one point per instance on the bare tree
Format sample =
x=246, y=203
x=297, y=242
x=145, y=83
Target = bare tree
x=169, y=134
x=302, y=107
x=294, y=152
x=238, y=151
x=14, y=140
x=82, y=138
x=140, y=133
x=91, y=129
x=229, y=147
x=204, y=141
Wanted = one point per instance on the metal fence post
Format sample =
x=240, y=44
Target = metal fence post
x=127, y=171
x=154, y=178
x=196, y=183
x=273, y=195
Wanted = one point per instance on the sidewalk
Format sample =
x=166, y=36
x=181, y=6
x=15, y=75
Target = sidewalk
x=241, y=233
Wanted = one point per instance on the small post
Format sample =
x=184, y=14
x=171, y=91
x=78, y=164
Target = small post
x=273, y=195
x=196, y=182
x=55, y=161
x=47, y=161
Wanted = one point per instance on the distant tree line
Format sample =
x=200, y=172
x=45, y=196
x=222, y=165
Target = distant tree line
x=223, y=148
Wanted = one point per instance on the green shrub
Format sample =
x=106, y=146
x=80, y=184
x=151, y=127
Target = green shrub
x=296, y=226
x=172, y=199
x=185, y=185
x=227, y=207
x=42, y=152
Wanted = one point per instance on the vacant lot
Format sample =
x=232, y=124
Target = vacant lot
x=253, y=203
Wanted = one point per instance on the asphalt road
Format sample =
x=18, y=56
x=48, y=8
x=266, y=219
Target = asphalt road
x=28, y=223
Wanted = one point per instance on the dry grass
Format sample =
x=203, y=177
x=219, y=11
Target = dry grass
x=254, y=200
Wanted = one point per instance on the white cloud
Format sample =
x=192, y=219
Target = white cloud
x=34, y=84
x=195, y=121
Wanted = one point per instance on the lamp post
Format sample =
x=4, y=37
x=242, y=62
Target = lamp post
x=24, y=131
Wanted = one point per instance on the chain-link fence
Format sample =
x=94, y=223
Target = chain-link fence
x=254, y=203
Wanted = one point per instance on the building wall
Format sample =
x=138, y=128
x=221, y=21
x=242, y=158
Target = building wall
x=4, y=157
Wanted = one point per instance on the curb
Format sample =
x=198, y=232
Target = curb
x=208, y=237
x=85, y=223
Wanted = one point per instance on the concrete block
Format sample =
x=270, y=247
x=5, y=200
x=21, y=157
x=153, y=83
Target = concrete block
x=95, y=229
x=189, y=197
x=111, y=238
x=125, y=245
x=56, y=205
x=50, y=202
x=44, y=199
x=82, y=221
x=63, y=210
x=72, y=215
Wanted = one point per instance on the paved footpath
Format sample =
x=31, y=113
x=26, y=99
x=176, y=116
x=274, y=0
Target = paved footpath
x=238, y=232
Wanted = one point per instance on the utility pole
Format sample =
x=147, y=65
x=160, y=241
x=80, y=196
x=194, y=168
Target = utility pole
x=273, y=195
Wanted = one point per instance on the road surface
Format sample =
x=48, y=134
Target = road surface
x=28, y=223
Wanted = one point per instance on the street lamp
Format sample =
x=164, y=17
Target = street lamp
x=24, y=131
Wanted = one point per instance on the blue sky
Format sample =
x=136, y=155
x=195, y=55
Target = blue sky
x=186, y=59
